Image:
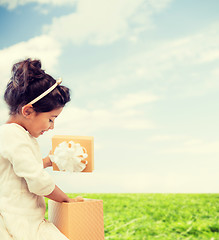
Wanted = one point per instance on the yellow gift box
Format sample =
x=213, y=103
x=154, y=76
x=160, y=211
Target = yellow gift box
x=78, y=220
x=85, y=141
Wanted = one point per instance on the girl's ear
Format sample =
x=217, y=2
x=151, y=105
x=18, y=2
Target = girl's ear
x=27, y=110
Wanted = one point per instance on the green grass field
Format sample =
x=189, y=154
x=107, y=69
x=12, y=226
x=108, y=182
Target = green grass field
x=159, y=216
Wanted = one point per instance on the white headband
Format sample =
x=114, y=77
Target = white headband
x=58, y=81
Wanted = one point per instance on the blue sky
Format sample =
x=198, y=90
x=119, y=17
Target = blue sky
x=144, y=81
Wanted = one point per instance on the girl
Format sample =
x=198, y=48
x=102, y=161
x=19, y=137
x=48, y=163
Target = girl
x=35, y=100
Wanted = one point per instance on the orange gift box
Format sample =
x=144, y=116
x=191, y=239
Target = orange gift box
x=78, y=220
x=85, y=141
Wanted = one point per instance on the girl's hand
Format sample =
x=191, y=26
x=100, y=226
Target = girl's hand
x=47, y=161
x=59, y=196
x=77, y=199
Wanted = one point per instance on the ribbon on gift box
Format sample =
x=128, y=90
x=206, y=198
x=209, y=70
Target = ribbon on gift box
x=70, y=157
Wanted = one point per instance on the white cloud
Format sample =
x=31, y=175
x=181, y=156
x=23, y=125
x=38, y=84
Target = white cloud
x=12, y=4
x=196, y=49
x=85, y=121
x=134, y=99
x=159, y=5
x=43, y=47
x=195, y=146
x=181, y=67
x=161, y=138
x=178, y=68
x=107, y=22
x=186, y=144
x=116, y=114
x=215, y=72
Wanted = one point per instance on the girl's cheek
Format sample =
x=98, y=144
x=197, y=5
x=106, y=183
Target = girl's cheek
x=46, y=125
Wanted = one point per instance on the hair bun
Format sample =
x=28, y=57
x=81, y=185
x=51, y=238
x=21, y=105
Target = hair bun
x=35, y=63
x=26, y=72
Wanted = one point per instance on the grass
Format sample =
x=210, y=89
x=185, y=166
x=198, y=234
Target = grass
x=159, y=216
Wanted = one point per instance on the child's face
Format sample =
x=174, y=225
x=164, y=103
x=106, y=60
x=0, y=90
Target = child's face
x=42, y=122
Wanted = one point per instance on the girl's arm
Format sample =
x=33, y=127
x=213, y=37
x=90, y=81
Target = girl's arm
x=59, y=196
x=47, y=162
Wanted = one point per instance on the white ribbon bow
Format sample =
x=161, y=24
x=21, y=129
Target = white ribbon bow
x=68, y=157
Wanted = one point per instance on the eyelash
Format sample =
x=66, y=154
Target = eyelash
x=50, y=120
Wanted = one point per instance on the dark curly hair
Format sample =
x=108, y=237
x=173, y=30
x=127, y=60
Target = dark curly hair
x=27, y=82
